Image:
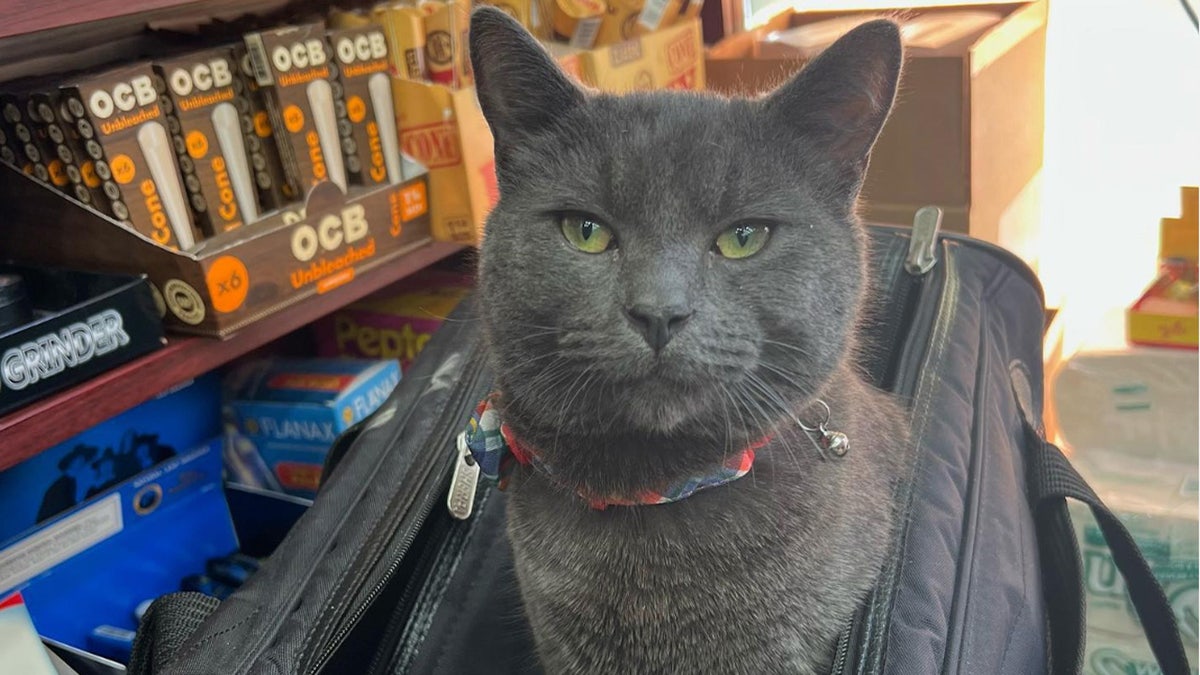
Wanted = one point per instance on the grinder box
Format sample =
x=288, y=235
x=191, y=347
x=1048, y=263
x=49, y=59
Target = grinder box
x=366, y=115
x=204, y=100
x=293, y=66
x=276, y=189
x=293, y=410
x=119, y=109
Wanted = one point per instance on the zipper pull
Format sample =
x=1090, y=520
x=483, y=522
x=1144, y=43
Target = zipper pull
x=461, y=498
x=922, y=244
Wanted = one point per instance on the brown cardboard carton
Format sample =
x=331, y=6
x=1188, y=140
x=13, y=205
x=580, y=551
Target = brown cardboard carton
x=444, y=129
x=72, y=151
x=27, y=137
x=366, y=115
x=672, y=58
x=238, y=277
x=204, y=100
x=275, y=188
x=292, y=64
x=966, y=131
x=404, y=27
x=119, y=110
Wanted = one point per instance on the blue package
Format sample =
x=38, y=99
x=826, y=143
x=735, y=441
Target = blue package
x=292, y=410
x=78, y=469
x=87, y=542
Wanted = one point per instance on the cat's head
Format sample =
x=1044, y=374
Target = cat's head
x=665, y=259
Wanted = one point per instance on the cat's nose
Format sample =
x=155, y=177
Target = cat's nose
x=658, y=324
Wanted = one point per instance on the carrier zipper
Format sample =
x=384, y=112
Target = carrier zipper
x=426, y=501
x=932, y=314
x=435, y=534
x=422, y=599
x=908, y=309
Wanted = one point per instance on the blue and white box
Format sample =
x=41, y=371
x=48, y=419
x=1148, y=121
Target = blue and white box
x=292, y=410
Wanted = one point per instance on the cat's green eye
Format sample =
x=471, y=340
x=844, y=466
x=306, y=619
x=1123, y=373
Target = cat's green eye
x=742, y=241
x=586, y=234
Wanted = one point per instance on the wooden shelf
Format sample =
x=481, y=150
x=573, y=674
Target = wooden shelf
x=29, y=430
x=18, y=17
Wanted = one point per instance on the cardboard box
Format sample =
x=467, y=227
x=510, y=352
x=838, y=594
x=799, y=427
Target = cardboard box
x=444, y=129
x=275, y=188
x=966, y=130
x=74, y=153
x=237, y=277
x=84, y=324
x=204, y=99
x=293, y=410
x=367, y=116
x=120, y=110
x=292, y=65
x=1166, y=315
x=671, y=58
x=396, y=323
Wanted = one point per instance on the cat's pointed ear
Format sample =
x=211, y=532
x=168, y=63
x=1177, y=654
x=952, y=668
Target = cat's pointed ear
x=521, y=89
x=840, y=100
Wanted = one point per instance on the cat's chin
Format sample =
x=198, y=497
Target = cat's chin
x=651, y=409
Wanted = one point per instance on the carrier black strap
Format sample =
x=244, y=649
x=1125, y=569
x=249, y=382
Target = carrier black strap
x=168, y=623
x=1052, y=480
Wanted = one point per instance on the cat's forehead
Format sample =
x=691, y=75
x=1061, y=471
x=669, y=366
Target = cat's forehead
x=674, y=159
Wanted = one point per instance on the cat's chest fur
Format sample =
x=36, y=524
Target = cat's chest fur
x=757, y=576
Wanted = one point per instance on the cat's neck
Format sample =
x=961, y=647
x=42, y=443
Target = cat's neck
x=624, y=461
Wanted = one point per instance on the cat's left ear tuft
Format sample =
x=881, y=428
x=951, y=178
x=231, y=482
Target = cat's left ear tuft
x=520, y=87
x=839, y=102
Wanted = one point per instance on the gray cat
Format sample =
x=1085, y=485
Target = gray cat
x=668, y=280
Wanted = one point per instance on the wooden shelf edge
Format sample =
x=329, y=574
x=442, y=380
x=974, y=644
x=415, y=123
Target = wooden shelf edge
x=52, y=420
x=19, y=18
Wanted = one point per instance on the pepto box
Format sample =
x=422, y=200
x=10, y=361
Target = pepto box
x=293, y=410
x=292, y=65
x=366, y=115
x=396, y=323
x=204, y=101
x=119, y=109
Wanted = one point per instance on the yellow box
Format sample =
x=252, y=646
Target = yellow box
x=672, y=58
x=1166, y=314
x=444, y=129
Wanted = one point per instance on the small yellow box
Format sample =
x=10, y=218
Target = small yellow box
x=1166, y=314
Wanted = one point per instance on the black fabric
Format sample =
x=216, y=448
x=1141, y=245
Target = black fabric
x=168, y=623
x=1052, y=480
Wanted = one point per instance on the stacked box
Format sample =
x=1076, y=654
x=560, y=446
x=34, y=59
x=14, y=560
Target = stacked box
x=204, y=101
x=71, y=150
x=293, y=410
x=119, y=109
x=276, y=189
x=366, y=115
x=293, y=66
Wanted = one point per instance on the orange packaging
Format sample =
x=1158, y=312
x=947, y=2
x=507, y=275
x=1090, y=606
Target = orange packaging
x=620, y=22
x=404, y=27
x=579, y=21
x=444, y=129
x=439, y=42
x=119, y=110
x=672, y=58
x=204, y=95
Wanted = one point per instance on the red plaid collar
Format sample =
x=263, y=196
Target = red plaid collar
x=486, y=424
